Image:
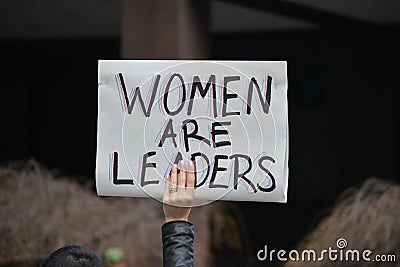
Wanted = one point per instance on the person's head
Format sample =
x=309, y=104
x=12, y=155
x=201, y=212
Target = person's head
x=72, y=256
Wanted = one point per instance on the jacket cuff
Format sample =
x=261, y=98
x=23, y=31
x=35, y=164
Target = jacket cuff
x=178, y=226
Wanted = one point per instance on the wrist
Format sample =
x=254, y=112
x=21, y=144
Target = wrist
x=176, y=223
x=171, y=219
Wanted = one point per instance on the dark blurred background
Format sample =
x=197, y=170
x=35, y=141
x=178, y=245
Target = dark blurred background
x=343, y=69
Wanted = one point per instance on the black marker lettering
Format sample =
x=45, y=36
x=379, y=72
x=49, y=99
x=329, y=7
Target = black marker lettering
x=193, y=158
x=197, y=84
x=273, y=183
x=265, y=104
x=115, y=179
x=137, y=94
x=183, y=98
x=168, y=133
x=193, y=134
x=216, y=169
x=215, y=132
x=227, y=96
x=237, y=175
x=145, y=165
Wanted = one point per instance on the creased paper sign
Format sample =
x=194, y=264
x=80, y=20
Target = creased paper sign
x=229, y=117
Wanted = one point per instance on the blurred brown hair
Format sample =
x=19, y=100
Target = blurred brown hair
x=368, y=218
x=41, y=211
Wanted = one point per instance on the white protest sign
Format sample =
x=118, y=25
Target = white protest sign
x=229, y=117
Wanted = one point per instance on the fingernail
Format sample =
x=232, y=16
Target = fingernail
x=175, y=165
x=190, y=162
x=182, y=163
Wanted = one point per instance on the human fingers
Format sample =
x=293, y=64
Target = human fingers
x=174, y=176
x=166, y=188
x=182, y=177
x=191, y=177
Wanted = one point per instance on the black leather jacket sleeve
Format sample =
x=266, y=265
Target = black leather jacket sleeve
x=177, y=238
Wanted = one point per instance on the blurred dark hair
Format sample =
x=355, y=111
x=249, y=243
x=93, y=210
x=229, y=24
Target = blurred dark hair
x=72, y=256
